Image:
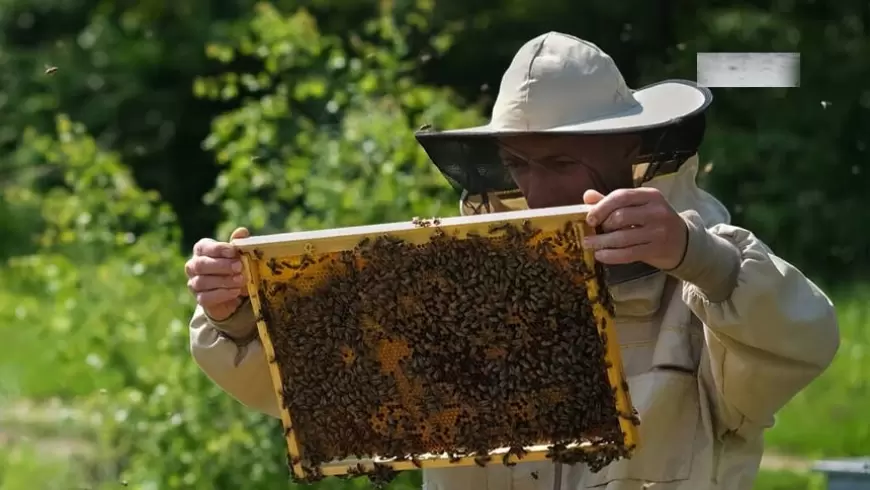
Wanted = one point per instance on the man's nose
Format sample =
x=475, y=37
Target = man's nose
x=548, y=190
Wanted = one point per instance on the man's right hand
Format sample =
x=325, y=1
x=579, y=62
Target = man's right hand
x=215, y=276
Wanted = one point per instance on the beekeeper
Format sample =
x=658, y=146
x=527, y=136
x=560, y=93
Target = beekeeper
x=715, y=339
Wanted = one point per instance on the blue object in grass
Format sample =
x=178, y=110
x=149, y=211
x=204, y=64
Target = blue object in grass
x=845, y=474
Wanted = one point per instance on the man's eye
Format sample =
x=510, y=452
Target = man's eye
x=560, y=162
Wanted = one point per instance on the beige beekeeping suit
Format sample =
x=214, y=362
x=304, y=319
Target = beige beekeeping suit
x=712, y=350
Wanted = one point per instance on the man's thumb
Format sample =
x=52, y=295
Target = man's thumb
x=592, y=196
x=240, y=233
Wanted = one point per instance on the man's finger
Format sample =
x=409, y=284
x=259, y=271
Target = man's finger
x=617, y=199
x=624, y=238
x=626, y=217
x=216, y=297
x=204, y=266
x=199, y=284
x=239, y=233
x=591, y=196
x=201, y=246
x=622, y=255
x=211, y=248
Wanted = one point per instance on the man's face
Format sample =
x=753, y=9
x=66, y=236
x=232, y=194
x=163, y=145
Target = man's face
x=557, y=170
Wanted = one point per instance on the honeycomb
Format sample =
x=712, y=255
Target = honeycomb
x=443, y=343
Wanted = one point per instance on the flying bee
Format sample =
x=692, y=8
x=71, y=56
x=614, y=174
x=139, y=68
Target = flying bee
x=50, y=70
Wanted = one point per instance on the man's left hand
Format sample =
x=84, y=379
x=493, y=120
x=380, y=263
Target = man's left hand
x=635, y=225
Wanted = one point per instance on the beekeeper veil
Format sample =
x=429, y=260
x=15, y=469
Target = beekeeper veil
x=563, y=107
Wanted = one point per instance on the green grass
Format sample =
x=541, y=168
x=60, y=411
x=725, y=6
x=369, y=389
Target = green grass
x=786, y=480
x=23, y=361
x=29, y=366
x=25, y=466
x=44, y=358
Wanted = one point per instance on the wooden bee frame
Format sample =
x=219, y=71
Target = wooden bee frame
x=259, y=254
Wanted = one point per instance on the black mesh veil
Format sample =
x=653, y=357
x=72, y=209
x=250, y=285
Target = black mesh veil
x=473, y=164
x=470, y=164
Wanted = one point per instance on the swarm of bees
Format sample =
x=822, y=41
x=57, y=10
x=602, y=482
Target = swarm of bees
x=455, y=346
x=424, y=222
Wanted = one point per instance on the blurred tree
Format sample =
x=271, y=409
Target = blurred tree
x=125, y=71
x=290, y=118
x=788, y=162
x=105, y=242
x=781, y=157
x=324, y=134
x=784, y=160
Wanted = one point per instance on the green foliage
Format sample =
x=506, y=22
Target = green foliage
x=311, y=126
x=841, y=394
x=782, y=158
x=107, y=284
x=324, y=134
x=786, y=480
x=97, y=205
x=18, y=221
x=108, y=260
x=787, y=159
x=123, y=70
x=22, y=467
x=118, y=324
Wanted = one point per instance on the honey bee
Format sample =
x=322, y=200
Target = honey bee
x=515, y=450
x=420, y=222
x=435, y=335
x=274, y=266
x=482, y=459
x=495, y=228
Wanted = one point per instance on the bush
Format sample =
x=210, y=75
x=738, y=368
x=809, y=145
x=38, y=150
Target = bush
x=108, y=289
x=324, y=134
x=23, y=468
x=99, y=314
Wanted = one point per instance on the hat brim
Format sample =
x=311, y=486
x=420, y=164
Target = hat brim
x=658, y=105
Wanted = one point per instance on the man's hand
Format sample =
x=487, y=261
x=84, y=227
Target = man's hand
x=636, y=225
x=215, y=276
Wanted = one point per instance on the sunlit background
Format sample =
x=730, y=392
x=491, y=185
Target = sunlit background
x=128, y=130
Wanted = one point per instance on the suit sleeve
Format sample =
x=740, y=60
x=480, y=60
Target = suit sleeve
x=230, y=353
x=769, y=330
